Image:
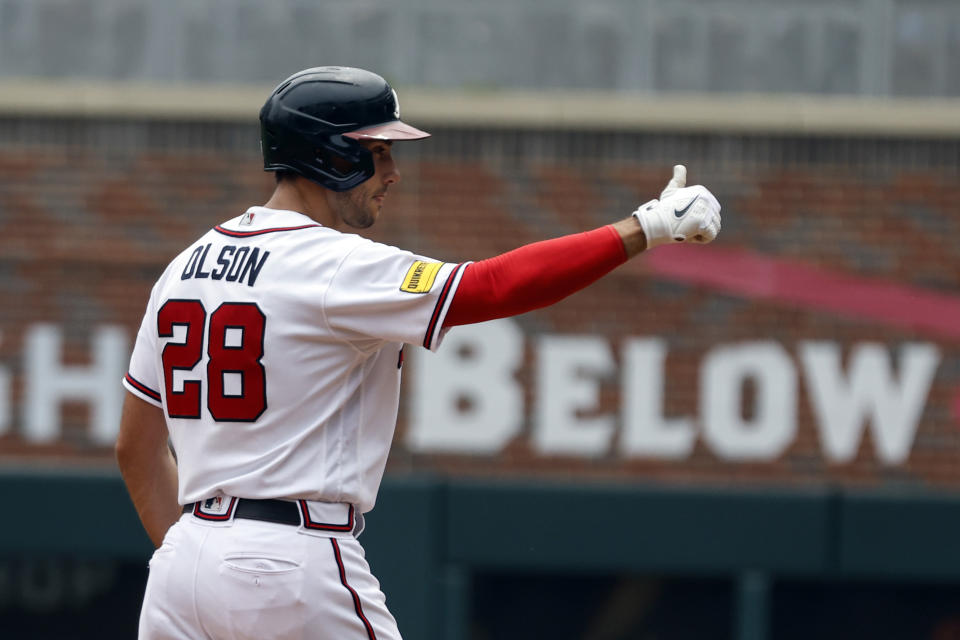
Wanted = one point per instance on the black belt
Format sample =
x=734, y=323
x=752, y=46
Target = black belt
x=279, y=511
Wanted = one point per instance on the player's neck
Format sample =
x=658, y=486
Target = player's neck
x=303, y=196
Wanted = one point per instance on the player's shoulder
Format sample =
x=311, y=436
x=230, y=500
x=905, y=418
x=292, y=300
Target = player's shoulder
x=369, y=260
x=365, y=249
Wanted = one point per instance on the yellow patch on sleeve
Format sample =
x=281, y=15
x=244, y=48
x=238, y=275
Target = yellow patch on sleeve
x=420, y=277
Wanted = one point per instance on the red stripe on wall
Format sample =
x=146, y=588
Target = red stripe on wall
x=753, y=275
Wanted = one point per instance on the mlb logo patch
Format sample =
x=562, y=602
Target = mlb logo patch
x=216, y=506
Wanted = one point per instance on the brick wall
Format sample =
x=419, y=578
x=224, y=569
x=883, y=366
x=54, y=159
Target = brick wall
x=851, y=242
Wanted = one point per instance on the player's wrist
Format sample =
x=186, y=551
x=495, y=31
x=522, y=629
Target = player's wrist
x=655, y=230
x=631, y=234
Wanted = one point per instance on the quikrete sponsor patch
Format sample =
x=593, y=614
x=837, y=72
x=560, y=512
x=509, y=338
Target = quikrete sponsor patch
x=420, y=277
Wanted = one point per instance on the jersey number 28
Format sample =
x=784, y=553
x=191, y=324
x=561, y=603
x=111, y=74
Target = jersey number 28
x=236, y=380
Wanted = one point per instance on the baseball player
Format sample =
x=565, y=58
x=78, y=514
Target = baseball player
x=264, y=383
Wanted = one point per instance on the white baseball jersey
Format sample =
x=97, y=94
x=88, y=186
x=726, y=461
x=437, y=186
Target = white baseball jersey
x=274, y=345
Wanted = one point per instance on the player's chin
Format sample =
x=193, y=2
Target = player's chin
x=364, y=219
x=375, y=209
x=373, y=214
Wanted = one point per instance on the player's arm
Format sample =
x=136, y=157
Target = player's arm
x=540, y=274
x=147, y=466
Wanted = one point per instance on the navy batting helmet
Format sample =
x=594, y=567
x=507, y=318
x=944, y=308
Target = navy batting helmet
x=312, y=121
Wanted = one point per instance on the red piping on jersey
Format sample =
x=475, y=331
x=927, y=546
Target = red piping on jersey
x=323, y=526
x=247, y=234
x=142, y=388
x=534, y=276
x=441, y=300
x=356, y=597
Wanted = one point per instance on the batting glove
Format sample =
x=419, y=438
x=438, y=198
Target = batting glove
x=682, y=214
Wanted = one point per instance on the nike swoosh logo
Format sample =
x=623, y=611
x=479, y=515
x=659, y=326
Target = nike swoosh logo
x=681, y=212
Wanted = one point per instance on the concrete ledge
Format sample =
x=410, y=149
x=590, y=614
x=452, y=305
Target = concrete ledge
x=571, y=110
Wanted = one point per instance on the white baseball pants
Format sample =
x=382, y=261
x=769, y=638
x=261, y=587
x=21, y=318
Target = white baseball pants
x=245, y=579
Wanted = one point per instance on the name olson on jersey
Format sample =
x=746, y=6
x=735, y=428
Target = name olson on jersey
x=233, y=264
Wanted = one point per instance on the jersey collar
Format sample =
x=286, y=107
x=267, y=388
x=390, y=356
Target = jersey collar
x=259, y=220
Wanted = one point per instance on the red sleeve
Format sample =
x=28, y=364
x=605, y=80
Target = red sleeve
x=534, y=276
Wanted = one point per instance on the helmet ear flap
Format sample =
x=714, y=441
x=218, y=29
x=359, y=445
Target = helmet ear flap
x=345, y=168
x=330, y=160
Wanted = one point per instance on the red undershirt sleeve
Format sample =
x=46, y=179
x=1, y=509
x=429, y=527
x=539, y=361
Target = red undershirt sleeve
x=534, y=276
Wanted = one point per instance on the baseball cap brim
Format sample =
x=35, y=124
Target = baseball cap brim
x=396, y=130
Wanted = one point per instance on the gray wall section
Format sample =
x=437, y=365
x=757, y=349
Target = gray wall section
x=866, y=47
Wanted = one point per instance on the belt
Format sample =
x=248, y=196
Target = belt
x=296, y=513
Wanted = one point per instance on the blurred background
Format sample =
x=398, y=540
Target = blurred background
x=754, y=440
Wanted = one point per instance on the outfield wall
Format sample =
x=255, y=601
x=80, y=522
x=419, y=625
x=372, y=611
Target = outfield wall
x=764, y=430
x=814, y=344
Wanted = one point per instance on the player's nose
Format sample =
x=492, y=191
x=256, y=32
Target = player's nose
x=391, y=174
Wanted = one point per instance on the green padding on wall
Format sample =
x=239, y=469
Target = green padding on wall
x=70, y=513
x=403, y=544
x=900, y=536
x=635, y=528
x=423, y=524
